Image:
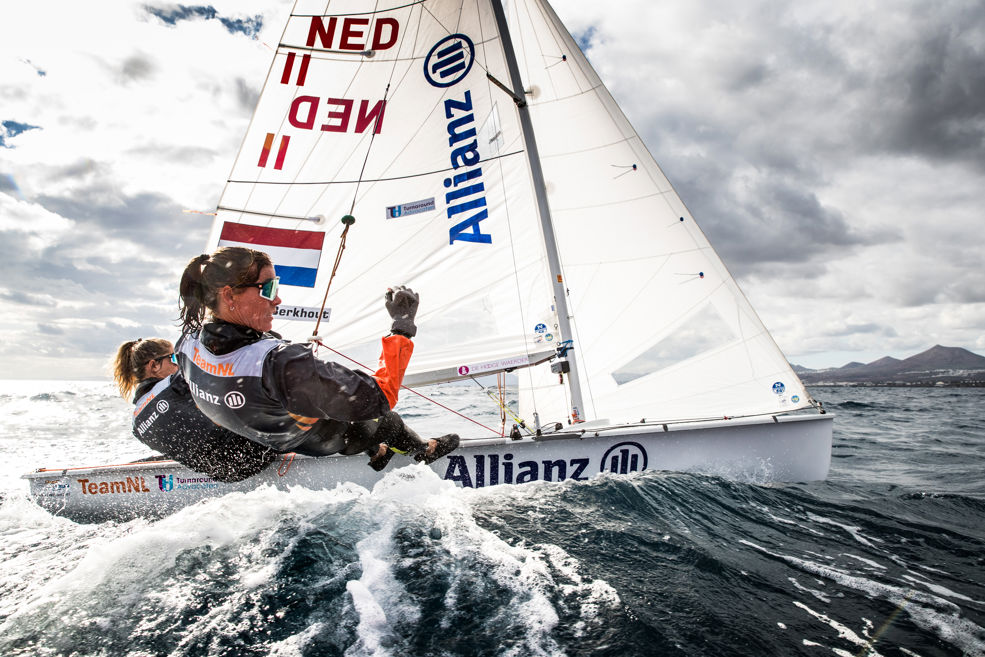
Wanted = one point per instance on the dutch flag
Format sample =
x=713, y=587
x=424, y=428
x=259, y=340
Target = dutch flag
x=295, y=253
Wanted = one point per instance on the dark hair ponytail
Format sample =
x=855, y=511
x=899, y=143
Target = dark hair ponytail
x=131, y=360
x=192, y=305
x=205, y=275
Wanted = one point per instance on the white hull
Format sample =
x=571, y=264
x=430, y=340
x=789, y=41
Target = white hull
x=791, y=448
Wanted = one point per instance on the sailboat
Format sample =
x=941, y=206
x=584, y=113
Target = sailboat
x=468, y=150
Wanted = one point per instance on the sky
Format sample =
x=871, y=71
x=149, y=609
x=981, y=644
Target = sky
x=833, y=152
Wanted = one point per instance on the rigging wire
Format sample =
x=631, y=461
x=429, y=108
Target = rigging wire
x=348, y=219
x=503, y=408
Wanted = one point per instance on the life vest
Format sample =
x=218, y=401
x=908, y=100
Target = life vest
x=228, y=390
x=166, y=419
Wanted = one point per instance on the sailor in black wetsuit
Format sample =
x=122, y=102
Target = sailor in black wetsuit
x=278, y=393
x=166, y=419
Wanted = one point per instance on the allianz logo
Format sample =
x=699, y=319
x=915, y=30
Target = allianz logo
x=235, y=399
x=449, y=60
x=480, y=470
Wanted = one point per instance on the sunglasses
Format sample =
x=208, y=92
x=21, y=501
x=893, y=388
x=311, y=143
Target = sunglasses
x=172, y=356
x=268, y=288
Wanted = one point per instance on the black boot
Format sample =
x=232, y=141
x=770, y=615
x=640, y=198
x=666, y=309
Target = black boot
x=403, y=440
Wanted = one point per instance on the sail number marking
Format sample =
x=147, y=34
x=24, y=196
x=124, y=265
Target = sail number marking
x=355, y=34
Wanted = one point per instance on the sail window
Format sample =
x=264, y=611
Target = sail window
x=700, y=333
x=491, y=134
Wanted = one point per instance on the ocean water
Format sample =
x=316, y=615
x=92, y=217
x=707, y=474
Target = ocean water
x=886, y=557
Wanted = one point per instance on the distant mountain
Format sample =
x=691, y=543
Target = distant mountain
x=936, y=366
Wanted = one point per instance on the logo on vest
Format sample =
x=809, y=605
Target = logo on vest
x=235, y=399
x=162, y=406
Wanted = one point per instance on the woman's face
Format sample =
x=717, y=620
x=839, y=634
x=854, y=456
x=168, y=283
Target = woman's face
x=248, y=308
x=160, y=367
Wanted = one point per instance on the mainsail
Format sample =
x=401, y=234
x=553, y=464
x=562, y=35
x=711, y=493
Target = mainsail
x=407, y=117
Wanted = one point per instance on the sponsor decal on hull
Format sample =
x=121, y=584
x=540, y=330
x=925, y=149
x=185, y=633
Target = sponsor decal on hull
x=54, y=488
x=168, y=483
x=127, y=486
x=480, y=470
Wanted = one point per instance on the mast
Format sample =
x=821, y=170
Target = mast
x=543, y=209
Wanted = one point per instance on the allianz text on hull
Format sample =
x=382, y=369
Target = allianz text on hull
x=792, y=448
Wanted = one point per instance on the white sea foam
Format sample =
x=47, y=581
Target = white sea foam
x=928, y=611
x=868, y=562
x=940, y=590
x=843, y=631
x=820, y=595
x=851, y=530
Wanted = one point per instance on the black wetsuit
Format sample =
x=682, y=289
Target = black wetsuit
x=279, y=394
x=166, y=419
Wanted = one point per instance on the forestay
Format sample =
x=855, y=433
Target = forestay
x=400, y=116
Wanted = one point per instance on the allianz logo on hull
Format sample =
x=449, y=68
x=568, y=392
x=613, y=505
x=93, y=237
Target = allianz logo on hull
x=480, y=470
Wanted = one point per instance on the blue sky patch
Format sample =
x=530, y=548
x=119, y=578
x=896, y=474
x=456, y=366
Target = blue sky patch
x=584, y=39
x=172, y=15
x=12, y=129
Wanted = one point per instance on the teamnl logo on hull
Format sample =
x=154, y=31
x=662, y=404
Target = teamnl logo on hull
x=448, y=63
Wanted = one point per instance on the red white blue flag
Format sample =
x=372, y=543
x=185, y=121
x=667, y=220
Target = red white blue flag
x=295, y=253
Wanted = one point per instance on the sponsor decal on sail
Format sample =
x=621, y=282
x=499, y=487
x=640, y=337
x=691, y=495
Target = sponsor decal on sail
x=296, y=253
x=494, y=365
x=447, y=64
x=415, y=207
x=301, y=313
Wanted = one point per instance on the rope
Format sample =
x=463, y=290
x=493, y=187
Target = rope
x=319, y=342
x=504, y=409
x=501, y=384
x=335, y=268
x=285, y=464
